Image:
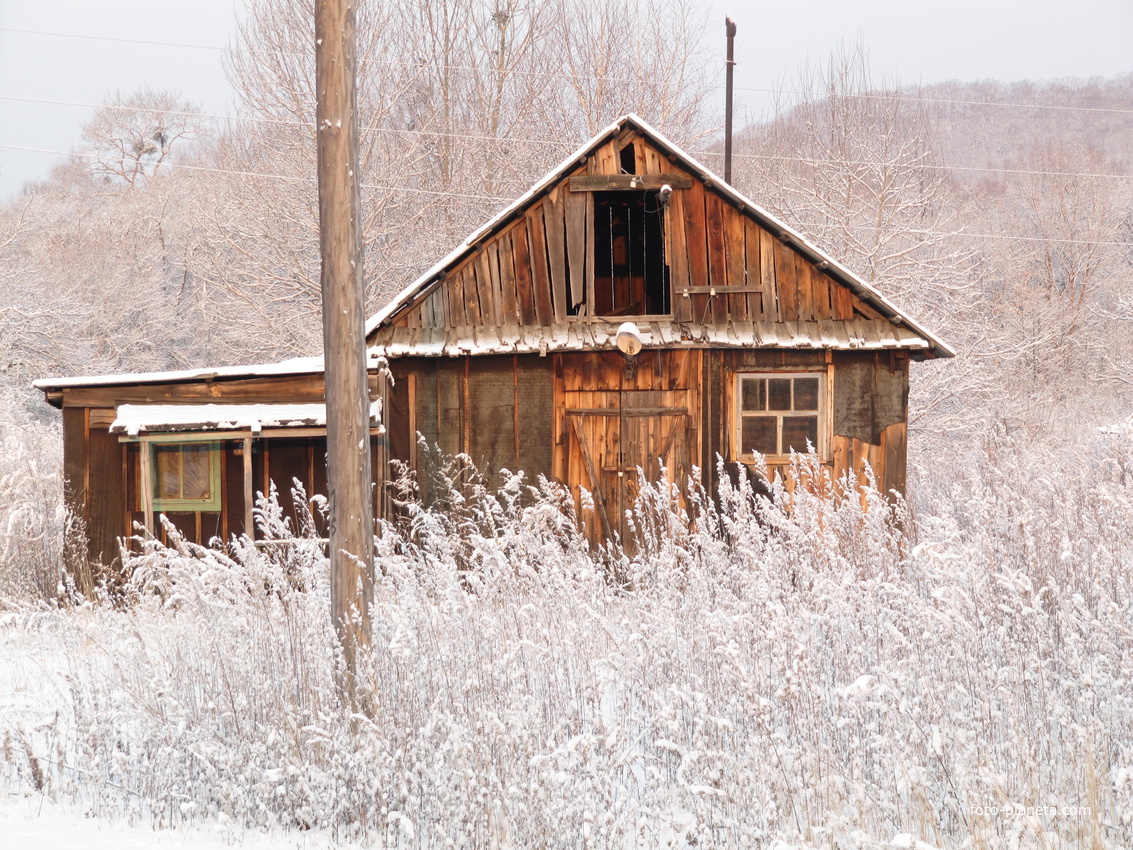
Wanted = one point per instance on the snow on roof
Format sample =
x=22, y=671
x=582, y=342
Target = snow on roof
x=850, y=335
x=836, y=269
x=294, y=366
x=135, y=419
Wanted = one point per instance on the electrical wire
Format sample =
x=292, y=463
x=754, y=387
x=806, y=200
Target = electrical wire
x=803, y=226
x=285, y=177
x=564, y=146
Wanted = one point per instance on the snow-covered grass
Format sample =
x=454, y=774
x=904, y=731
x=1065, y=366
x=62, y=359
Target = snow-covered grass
x=818, y=676
x=36, y=532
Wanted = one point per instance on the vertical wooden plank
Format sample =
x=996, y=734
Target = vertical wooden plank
x=521, y=267
x=696, y=234
x=752, y=272
x=737, y=263
x=109, y=502
x=577, y=239
x=488, y=284
x=640, y=160
x=842, y=302
x=75, y=461
x=508, y=284
x=820, y=292
x=605, y=160
x=894, y=445
x=676, y=251
x=717, y=257
x=768, y=282
x=804, y=288
x=558, y=421
x=411, y=387
x=471, y=294
x=540, y=275
x=652, y=162
x=554, y=218
x=438, y=308
x=785, y=275
x=515, y=406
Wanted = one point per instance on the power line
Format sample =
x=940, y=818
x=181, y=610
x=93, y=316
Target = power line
x=553, y=74
x=950, y=102
x=513, y=140
x=806, y=227
x=285, y=177
x=977, y=168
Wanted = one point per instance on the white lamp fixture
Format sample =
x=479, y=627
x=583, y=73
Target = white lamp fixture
x=629, y=339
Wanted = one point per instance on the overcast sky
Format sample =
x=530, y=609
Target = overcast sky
x=58, y=52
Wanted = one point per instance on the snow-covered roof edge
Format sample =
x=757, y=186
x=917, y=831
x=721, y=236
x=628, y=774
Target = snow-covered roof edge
x=135, y=419
x=294, y=366
x=838, y=271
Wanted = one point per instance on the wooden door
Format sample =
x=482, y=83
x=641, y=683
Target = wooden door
x=636, y=432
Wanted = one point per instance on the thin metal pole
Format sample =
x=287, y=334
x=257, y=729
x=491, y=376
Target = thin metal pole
x=730, y=28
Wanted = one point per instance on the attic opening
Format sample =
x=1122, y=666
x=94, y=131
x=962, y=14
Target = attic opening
x=631, y=276
x=628, y=158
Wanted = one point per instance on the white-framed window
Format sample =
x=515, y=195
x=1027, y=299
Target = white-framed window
x=184, y=476
x=777, y=412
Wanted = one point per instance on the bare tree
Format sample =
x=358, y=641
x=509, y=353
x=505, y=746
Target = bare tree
x=851, y=164
x=130, y=137
x=643, y=56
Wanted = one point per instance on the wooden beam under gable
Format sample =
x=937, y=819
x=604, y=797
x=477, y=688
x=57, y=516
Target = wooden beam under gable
x=627, y=182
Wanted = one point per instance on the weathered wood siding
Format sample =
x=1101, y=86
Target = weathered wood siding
x=495, y=410
x=866, y=408
x=102, y=473
x=723, y=265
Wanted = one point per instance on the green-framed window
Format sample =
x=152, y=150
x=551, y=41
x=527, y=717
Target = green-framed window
x=185, y=476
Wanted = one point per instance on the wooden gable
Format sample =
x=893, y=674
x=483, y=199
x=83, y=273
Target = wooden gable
x=735, y=276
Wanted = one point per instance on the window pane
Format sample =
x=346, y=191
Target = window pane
x=195, y=483
x=759, y=435
x=754, y=394
x=806, y=394
x=797, y=430
x=779, y=393
x=167, y=463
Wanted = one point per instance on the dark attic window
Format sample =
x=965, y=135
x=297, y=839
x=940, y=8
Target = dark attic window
x=631, y=277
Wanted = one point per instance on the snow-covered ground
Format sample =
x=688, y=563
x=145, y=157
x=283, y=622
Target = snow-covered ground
x=811, y=678
x=32, y=822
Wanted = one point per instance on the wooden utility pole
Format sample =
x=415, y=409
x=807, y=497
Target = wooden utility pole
x=344, y=336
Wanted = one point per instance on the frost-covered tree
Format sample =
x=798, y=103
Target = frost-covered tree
x=130, y=137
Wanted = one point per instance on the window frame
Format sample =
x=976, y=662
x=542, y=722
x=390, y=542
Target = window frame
x=213, y=504
x=664, y=220
x=822, y=446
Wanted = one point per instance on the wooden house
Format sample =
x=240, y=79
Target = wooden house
x=738, y=337
x=751, y=340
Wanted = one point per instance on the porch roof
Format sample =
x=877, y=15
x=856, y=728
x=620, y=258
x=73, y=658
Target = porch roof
x=135, y=419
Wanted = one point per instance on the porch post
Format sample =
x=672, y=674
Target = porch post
x=147, y=485
x=249, y=497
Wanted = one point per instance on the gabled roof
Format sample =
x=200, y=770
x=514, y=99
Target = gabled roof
x=424, y=284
